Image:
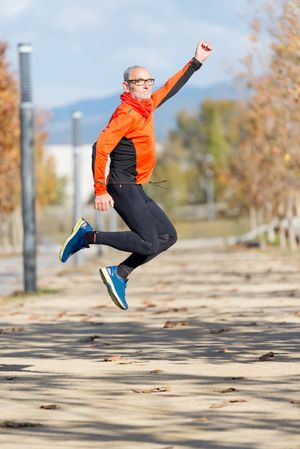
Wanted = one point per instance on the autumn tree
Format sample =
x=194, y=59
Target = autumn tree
x=9, y=137
x=48, y=185
x=265, y=168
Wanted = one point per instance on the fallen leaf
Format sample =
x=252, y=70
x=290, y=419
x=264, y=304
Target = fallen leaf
x=11, y=330
x=172, y=310
x=225, y=403
x=175, y=324
x=229, y=390
x=95, y=323
x=91, y=338
x=19, y=424
x=218, y=331
x=266, y=356
x=131, y=362
x=235, y=378
x=50, y=407
x=113, y=358
x=152, y=390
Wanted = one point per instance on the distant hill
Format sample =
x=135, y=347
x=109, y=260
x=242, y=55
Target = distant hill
x=96, y=112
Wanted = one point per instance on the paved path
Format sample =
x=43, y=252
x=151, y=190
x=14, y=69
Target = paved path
x=206, y=357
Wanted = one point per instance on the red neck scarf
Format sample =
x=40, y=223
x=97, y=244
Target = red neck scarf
x=142, y=107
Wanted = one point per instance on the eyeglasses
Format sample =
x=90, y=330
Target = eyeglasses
x=142, y=82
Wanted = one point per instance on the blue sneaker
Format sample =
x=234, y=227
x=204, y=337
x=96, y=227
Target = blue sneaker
x=115, y=285
x=75, y=241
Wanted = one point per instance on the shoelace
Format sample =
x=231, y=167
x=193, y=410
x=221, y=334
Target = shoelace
x=156, y=184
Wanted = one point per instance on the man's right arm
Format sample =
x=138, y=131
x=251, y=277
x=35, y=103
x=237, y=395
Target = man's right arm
x=118, y=126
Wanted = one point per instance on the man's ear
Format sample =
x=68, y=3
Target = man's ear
x=125, y=86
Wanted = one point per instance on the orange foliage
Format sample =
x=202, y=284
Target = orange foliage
x=47, y=184
x=9, y=137
x=267, y=166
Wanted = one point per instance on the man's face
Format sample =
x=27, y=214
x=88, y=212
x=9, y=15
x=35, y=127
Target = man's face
x=142, y=92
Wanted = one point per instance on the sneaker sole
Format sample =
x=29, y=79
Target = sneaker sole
x=111, y=289
x=74, y=230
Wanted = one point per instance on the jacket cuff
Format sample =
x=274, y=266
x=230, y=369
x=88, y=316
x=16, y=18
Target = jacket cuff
x=99, y=190
x=196, y=64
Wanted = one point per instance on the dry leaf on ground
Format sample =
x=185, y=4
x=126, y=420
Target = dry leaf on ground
x=112, y=358
x=229, y=390
x=91, y=338
x=218, y=331
x=225, y=403
x=164, y=389
x=19, y=424
x=50, y=406
x=175, y=324
x=11, y=330
x=266, y=356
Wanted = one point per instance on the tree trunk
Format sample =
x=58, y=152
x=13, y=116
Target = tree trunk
x=290, y=220
x=282, y=235
x=253, y=218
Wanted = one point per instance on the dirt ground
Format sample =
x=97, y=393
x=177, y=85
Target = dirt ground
x=207, y=356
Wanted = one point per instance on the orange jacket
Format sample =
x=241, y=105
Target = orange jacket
x=129, y=138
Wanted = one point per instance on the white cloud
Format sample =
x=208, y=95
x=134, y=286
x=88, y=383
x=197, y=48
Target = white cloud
x=82, y=47
x=76, y=18
x=10, y=9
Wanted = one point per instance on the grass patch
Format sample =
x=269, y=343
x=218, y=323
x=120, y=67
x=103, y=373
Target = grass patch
x=216, y=228
x=40, y=292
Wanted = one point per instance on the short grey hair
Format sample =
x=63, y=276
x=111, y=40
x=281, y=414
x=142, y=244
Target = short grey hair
x=127, y=72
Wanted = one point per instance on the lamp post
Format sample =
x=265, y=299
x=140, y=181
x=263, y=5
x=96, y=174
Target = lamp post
x=27, y=169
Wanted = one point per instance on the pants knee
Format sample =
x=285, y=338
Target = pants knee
x=161, y=243
x=152, y=248
x=172, y=239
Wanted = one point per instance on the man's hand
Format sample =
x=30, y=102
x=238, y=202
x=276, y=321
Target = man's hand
x=203, y=50
x=103, y=202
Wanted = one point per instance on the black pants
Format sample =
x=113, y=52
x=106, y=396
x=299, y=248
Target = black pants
x=151, y=232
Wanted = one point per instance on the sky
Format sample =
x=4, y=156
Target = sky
x=82, y=47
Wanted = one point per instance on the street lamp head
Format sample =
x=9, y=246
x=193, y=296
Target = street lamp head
x=76, y=115
x=24, y=47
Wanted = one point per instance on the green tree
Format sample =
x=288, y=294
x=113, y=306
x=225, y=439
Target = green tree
x=199, y=143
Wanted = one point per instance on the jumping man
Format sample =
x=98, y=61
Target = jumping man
x=129, y=140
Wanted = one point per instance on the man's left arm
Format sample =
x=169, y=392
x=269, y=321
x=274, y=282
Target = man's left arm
x=177, y=81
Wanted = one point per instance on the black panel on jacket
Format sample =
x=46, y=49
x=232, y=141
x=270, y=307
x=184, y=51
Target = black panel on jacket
x=123, y=163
